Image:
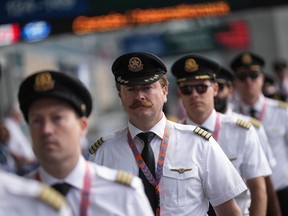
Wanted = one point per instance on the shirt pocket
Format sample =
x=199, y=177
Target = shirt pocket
x=176, y=182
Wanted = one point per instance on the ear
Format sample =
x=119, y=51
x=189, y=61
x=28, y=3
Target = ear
x=83, y=125
x=215, y=89
x=165, y=92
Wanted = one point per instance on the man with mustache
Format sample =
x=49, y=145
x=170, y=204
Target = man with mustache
x=180, y=165
x=56, y=107
x=195, y=77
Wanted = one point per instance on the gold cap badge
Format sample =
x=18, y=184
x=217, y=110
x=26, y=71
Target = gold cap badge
x=246, y=58
x=135, y=64
x=43, y=82
x=191, y=65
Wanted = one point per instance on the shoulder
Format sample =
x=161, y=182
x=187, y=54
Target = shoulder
x=116, y=177
x=236, y=120
x=255, y=122
x=17, y=186
x=196, y=131
x=110, y=137
x=277, y=103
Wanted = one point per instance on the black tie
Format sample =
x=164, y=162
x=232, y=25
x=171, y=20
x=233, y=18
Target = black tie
x=253, y=112
x=148, y=157
x=62, y=188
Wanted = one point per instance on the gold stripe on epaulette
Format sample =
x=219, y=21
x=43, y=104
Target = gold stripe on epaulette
x=52, y=197
x=244, y=124
x=96, y=145
x=206, y=135
x=255, y=122
x=124, y=178
x=283, y=104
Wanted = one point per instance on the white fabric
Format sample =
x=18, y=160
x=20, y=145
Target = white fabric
x=275, y=122
x=20, y=196
x=108, y=197
x=211, y=178
x=243, y=148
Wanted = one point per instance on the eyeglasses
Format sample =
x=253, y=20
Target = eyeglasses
x=188, y=89
x=251, y=75
x=221, y=86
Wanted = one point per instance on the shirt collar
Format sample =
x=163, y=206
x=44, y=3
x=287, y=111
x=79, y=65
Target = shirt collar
x=209, y=123
x=158, y=129
x=75, y=178
x=257, y=106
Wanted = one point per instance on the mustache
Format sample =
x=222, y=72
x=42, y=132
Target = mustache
x=145, y=103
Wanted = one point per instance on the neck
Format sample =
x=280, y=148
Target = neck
x=61, y=169
x=145, y=124
x=199, y=118
x=250, y=100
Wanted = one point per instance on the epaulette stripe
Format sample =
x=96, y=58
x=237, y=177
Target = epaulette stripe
x=124, y=178
x=256, y=123
x=52, y=197
x=96, y=145
x=283, y=104
x=243, y=123
x=206, y=135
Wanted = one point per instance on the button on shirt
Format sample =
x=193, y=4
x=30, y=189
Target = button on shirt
x=107, y=197
x=209, y=175
x=275, y=122
x=244, y=150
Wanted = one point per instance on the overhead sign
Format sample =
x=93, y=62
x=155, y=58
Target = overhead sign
x=28, y=10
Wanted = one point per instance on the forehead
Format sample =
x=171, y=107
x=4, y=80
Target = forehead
x=141, y=86
x=194, y=82
x=45, y=103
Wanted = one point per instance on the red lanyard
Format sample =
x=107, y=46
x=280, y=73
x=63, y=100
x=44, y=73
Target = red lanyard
x=85, y=193
x=161, y=158
x=261, y=114
x=216, y=127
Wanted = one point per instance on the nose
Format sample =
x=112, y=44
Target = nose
x=47, y=126
x=140, y=95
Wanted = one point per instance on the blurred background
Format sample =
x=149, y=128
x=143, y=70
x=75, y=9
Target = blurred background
x=84, y=37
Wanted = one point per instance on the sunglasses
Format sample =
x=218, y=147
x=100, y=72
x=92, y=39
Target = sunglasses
x=251, y=75
x=188, y=89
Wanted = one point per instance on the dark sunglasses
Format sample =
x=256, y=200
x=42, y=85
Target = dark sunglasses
x=251, y=75
x=188, y=89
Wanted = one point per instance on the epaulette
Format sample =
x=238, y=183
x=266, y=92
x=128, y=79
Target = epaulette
x=96, y=145
x=255, y=122
x=52, y=197
x=199, y=131
x=243, y=123
x=282, y=104
x=124, y=178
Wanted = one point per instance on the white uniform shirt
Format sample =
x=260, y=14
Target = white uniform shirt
x=20, y=196
x=211, y=178
x=261, y=135
x=107, y=197
x=275, y=122
x=242, y=147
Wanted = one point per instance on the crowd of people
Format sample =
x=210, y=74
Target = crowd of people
x=227, y=156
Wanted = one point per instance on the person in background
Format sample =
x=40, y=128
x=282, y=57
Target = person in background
x=56, y=107
x=195, y=77
x=182, y=167
x=18, y=143
x=225, y=78
x=273, y=114
x=281, y=82
x=7, y=161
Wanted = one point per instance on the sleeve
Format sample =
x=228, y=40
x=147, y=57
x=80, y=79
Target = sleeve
x=255, y=162
x=221, y=180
